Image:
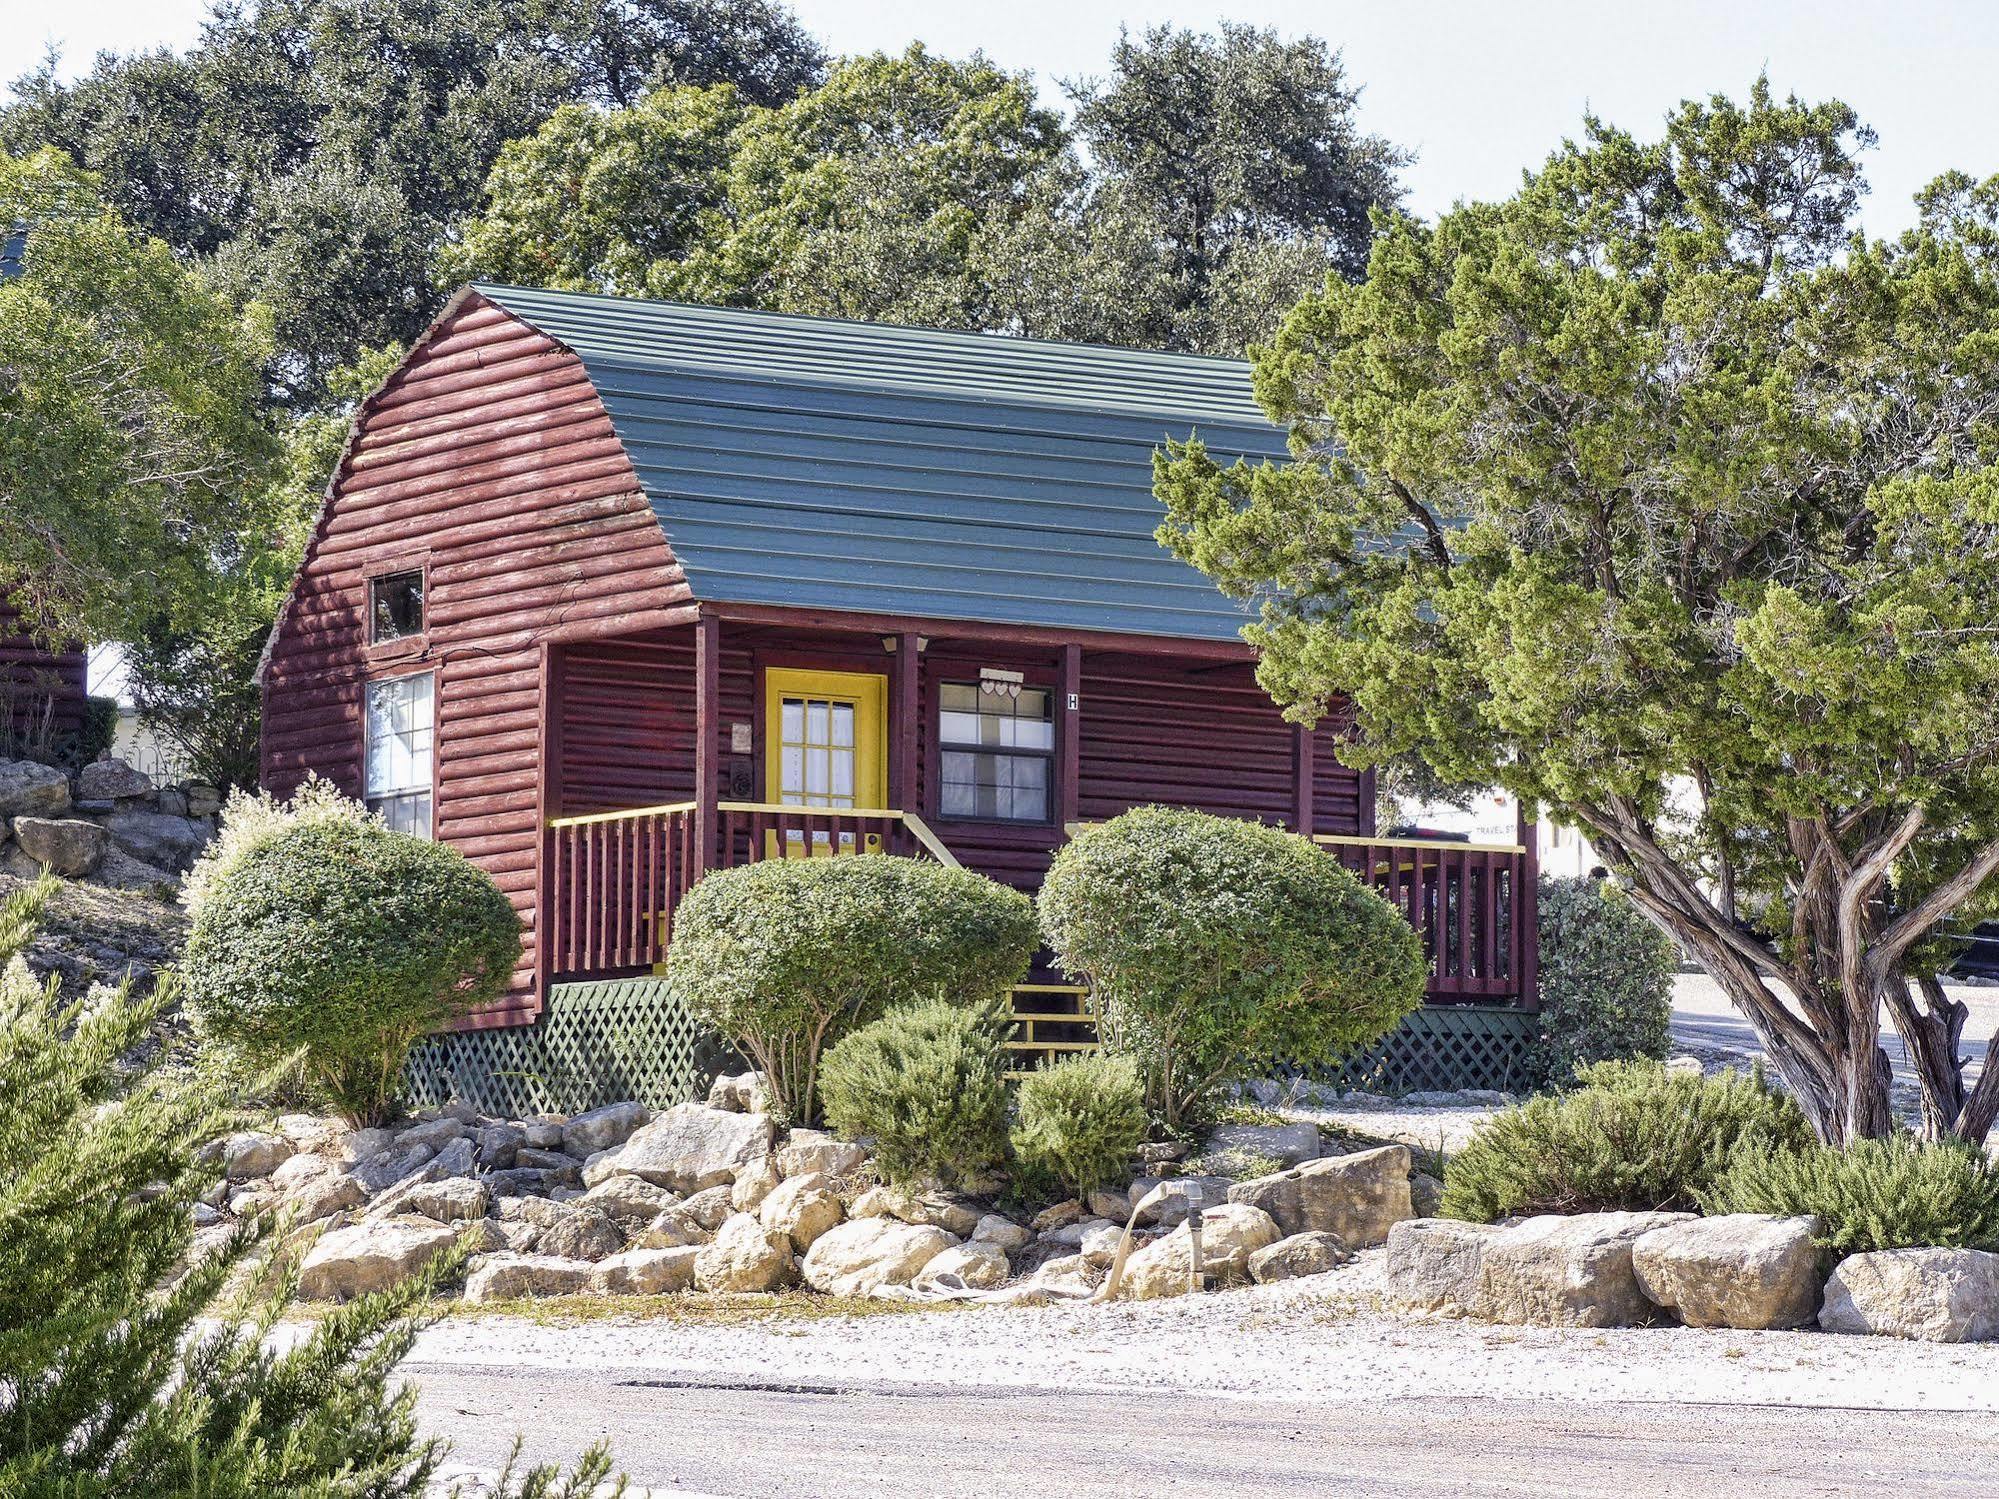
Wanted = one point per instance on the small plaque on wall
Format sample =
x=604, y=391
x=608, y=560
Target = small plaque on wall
x=740, y=742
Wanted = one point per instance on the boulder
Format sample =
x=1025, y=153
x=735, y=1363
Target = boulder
x=1057, y=1215
x=323, y=1196
x=745, y=1256
x=1426, y=1194
x=436, y=1133
x=1002, y=1232
x=1072, y=1235
x=120, y=871
x=204, y=799
x=1230, y=1234
x=360, y=1144
x=743, y=1093
x=157, y=838
x=810, y=1150
x=111, y=780
x=1172, y=1209
x=508, y=1276
x=1069, y=1276
x=558, y=1162
x=601, y=1129
x=28, y=789
x=691, y=1147
x=1934, y=1295
x=628, y=1199
x=1301, y=1254
x=496, y=1144
x=542, y=1133
x=296, y=1170
x=979, y=1265
x=455, y=1199
x=70, y=846
x=876, y=1202
x=801, y=1208
x=1291, y=1143
x=855, y=1257
x=459, y=1157
x=366, y=1257
x=935, y=1210
x=753, y=1184
x=707, y=1210
x=581, y=1234
x=252, y=1153
x=1106, y=1204
x=1433, y=1265
x=384, y=1169
x=1359, y=1197
x=672, y=1229
x=645, y=1272
x=1100, y=1241
x=1746, y=1270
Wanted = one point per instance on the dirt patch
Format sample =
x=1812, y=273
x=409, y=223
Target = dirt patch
x=93, y=934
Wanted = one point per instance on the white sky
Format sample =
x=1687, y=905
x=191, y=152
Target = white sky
x=1480, y=90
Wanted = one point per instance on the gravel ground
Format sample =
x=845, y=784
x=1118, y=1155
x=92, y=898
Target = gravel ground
x=1323, y=1338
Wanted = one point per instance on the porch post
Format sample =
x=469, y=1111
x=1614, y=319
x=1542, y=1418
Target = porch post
x=1527, y=905
x=1301, y=765
x=707, y=746
x=548, y=806
x=1068, y=735
x=905, y=776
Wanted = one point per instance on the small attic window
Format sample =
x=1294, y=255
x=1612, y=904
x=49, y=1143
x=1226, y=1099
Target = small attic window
x=395, y=606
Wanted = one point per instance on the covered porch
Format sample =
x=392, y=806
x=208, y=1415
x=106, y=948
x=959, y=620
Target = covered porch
x=754, y=732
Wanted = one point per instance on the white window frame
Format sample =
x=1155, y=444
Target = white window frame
x=404, y=795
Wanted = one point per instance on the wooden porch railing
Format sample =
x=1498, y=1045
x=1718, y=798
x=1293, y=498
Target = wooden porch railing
x=1464, y=901
x=616, y=877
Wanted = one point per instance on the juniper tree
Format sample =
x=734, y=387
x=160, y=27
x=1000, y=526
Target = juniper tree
x=1659, y=495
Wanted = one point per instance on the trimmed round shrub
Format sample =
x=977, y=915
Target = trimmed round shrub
x=928, y=1085
x=1631, y=1136
x=1899, y=1193
x=341, y=942
x=1080, y=1121
x=1606, y=980
x=786, y=956
x=1214, y=947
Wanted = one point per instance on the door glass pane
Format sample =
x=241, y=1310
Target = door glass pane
x=843, y=723
x=815, y=723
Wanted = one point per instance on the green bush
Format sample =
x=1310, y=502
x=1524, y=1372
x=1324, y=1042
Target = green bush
x=1630, y=1136
x=786, y=956
x=1079, y=1122
x=1606, y=979
x=340, y=942
x=125, y=1376
x=1899, y=1193
x=1215, y=946
x=928, y=1085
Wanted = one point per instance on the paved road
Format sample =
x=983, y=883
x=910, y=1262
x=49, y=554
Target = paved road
x=1704, y=1020
x=811, y=1441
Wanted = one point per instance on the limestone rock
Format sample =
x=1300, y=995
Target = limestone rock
x=745, y=1256
x=628, y=1199
x=436, y=1133
x=1934, y=1295
x=1230, y=1234
x=323, y=1196
x=601, y=1129
x=252, y=1153
x=691, y=1147
x=1057, y=1215
x=496, y=1144
x=581, y=1234
x=1568, y=1271
x=1426, y=1194
x=111, y=780
x=456, y=1199
x=1068, y=1276
x=507, y=1276
x=1071, y=1236
x=383, y=1170
x=1301, y=1254
x=708, y=1209
x=753, y=1184
x=815, y=1150
x=673, y=1229
x=458, y=1158
x=645, y=1272
x=1433, y=1265
x=367, y=1257
x=1359, y=1197
x=1291, y=1143
x=1002, y=1232
x=28, y=789
x=1746, y=1270
x=360, y=1144
x=296, y=1170
x=70, y=846
x=855, y=1257
x=876, y=1202
x=1172, y=1209
x=801, y=1208
x=1100, y=1241
x=981, y=1265
x=745, y=1093
x=935, y=1210
x=156, y=838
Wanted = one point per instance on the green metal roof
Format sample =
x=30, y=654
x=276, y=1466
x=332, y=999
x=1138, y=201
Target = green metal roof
x=839, y=465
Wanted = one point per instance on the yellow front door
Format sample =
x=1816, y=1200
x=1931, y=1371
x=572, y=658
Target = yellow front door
x=824, y=738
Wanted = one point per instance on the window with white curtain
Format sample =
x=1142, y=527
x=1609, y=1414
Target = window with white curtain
x=401, y=728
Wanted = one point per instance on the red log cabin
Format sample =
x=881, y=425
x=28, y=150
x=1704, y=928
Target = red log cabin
x=42, y=689
x=610, y=593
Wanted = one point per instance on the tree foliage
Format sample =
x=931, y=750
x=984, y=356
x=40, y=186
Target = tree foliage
x=1604, y=980
x=132, y=444
x=1212, y=946
x=1225, y=178
x=1658, y=475
x=316, y=150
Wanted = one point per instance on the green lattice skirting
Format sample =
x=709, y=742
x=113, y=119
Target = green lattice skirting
x=595, y=1043
x=1445, y=1047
